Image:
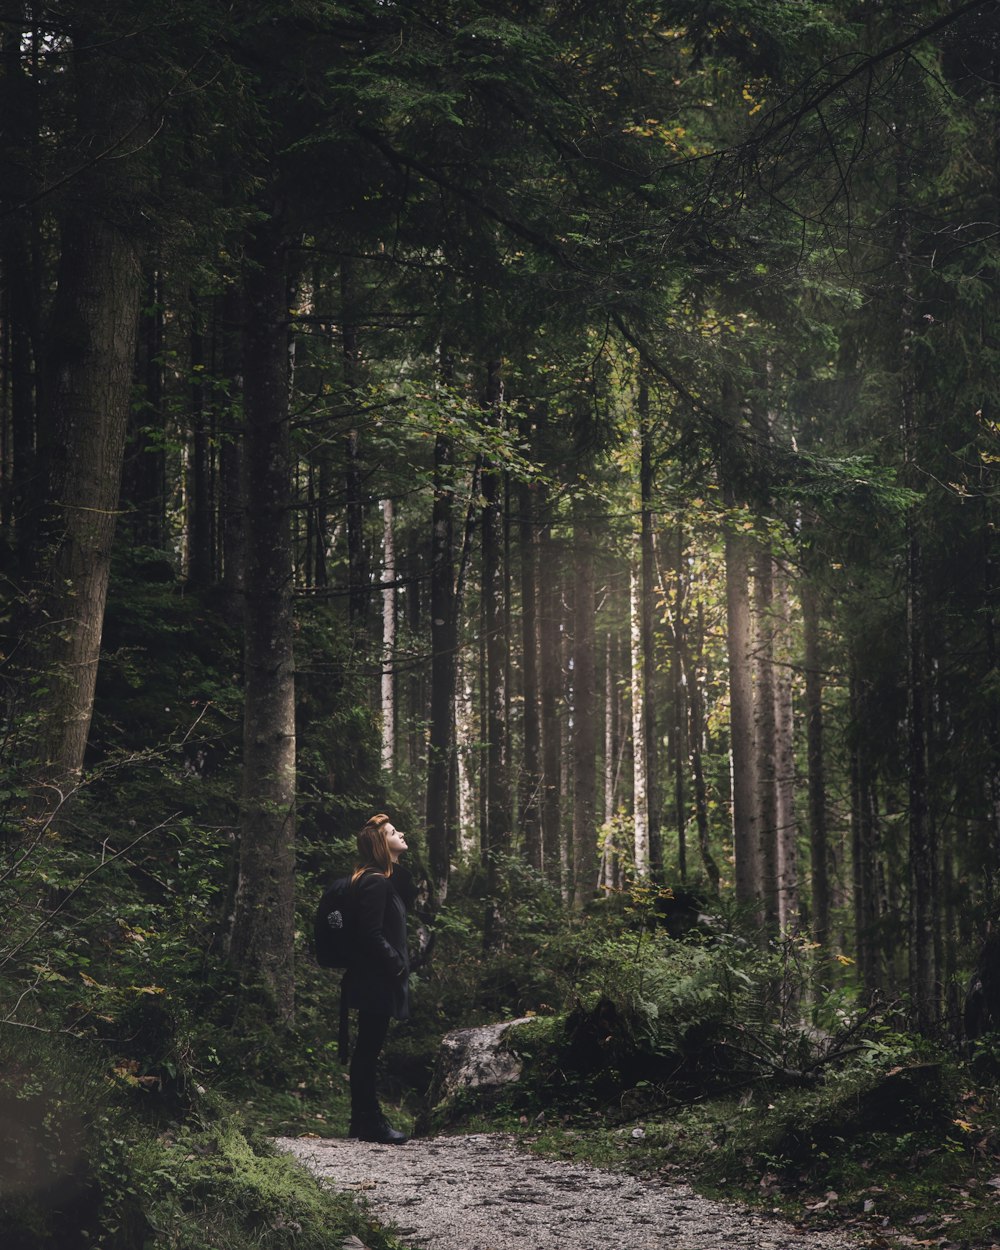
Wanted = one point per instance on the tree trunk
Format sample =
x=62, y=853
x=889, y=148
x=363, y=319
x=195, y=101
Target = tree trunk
x=388, y=685
x=262, y=940
x=923, y=851
x=746, y=848
x=584, y=712
x=864, y=841
x=640, y=793
x=819, y=858
x=20, y=493
x=567, y=757
x=144, y=485
x=609, y=850
x=765, y=767
x=550, y=653
x=679, y=725
x=444, y=647
x=200, y=522
x=357, y=555
x=416, y=713
x=784, y=782
x=498, y=828
x=646, y=601
x=90, y=363
x=610, y=730
x=467, y=738
x=697, y=732
x=531, y=772
x=23, y=500
x=231, y=506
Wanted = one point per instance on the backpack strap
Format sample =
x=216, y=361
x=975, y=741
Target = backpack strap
x=344, y=1032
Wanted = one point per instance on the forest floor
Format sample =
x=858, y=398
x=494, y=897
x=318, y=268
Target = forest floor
x=481, y=1192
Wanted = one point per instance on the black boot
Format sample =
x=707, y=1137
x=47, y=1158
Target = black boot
x=375, y=1128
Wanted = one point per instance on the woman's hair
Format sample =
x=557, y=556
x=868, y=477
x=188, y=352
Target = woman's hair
x=372, y=849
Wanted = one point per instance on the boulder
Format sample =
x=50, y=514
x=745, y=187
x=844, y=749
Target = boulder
x=472, y=1068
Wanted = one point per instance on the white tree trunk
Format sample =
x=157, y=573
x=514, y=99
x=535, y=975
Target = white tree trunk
x=784, y=727
x=466, y=737
x=609, y=735
x=388, y=637
x=640, y=793
x=608, y=854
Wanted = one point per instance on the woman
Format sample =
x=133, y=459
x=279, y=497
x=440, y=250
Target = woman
x=378, y=972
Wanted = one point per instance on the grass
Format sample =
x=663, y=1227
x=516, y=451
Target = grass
x=936, y=1185
x=87, y=1160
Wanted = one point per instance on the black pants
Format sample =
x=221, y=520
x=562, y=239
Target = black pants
x=373, y=1028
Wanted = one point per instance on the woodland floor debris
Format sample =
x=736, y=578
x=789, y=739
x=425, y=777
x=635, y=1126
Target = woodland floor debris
x=480, y=1192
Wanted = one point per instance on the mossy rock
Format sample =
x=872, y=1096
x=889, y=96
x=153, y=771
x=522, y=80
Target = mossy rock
x=475, y=1067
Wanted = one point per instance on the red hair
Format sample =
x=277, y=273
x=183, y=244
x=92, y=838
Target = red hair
x=372, y=849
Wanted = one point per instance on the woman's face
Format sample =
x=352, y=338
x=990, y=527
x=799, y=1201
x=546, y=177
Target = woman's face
x=394, y=840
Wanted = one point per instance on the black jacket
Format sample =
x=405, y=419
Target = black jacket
x=378, y=973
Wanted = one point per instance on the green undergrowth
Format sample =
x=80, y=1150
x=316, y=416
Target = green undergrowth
x=904, y=1153
x=84, y=1163
x=751, y=1074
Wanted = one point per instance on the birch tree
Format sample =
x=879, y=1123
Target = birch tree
x=640, y=793
x=388, y=684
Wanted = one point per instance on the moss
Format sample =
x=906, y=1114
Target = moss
x=81, y=1167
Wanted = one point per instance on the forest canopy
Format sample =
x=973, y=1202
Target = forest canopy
x=571, y=427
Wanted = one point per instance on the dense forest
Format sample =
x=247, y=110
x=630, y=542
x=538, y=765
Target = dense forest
x=570, y=427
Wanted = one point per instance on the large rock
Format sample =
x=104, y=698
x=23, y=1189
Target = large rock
x=472, y=1068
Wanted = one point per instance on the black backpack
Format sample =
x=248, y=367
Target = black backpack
x=333, y=926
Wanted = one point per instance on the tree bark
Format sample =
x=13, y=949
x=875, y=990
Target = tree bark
x=444, y=648
x=357, y=554
x=550, y=684
x=200, y=520
x=784, y=739
x=819, y=856
x=680, y=716
x=765, y=768
x=697, y=732
x=640, y=793
x=498, y=828
x=609, y=850
x=746, y=848
x=584, y=712
x=262, y=938
x=388, y=685
x=23, y=493
x=231, y=505
x=864, y=841
x=531, y=771
x=144, y=486
x=646, y=602
x=923, y=850
x=90, y=362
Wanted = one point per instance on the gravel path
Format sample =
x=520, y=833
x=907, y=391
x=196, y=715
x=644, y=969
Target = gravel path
x=482, y=1193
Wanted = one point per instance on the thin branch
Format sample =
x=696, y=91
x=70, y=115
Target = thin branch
x=79, y=886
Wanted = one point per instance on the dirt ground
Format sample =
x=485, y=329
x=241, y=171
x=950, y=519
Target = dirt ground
x=481, y=1192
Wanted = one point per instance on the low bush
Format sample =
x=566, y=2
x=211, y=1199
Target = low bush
x=81, y=1166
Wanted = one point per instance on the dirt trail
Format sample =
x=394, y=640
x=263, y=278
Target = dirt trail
x=482, y=1193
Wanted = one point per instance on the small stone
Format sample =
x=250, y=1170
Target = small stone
x=352, y=1243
